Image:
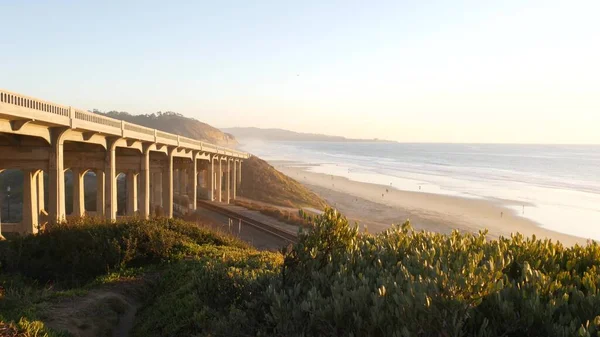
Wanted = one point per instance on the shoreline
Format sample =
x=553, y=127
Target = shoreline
x=380, y=206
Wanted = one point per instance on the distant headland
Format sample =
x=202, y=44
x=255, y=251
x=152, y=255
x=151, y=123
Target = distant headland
x=287, y=135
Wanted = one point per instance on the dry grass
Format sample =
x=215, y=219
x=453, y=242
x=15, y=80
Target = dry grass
x=289, y=217
x=262, y=182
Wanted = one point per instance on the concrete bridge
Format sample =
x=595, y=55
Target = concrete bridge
x=43, y=138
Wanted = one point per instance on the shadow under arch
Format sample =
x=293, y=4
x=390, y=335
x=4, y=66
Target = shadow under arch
x=121, y=193
x=11, y=196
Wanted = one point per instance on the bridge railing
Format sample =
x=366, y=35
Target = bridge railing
x=95, y=122
x=135, y=131
x=37, y=109
x=166, y=138
x=210, y=148
x=190, y=142
x=26, y=107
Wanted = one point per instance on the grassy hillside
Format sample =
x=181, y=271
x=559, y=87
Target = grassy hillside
x=81, y=278
x=178, y=124
x=263, y=182
x=334, y=282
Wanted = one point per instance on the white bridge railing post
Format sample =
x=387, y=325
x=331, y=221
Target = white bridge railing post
x=71, y=117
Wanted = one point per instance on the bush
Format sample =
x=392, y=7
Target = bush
x=337, y=282
x=78, y=251
x=406, y=283
x=333, y=282
x=219, y=294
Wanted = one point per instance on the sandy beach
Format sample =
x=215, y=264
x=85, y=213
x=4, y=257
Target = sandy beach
x=377, y=207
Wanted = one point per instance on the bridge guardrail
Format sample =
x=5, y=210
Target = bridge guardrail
x=33, y=108
x=26, y=107
x=139, y=132
x=91, y=121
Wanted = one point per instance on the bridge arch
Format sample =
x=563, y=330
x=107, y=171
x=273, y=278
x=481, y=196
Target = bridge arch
x=64, y=140
x=20, y=210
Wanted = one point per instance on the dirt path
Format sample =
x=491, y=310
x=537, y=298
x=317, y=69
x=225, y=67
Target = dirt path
x=125, y=322
x=106, y=311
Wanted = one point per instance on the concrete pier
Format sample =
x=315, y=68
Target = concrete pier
x=40, y=137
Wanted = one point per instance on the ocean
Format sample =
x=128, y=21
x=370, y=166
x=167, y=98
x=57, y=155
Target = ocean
x=557, y=186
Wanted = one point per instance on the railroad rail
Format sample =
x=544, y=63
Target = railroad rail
x=270, y=229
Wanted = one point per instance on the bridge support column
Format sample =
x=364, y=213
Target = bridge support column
x=220, y=181
x=78, y=193
x=30, y=206
x=228, y=180
x=100, y=193
x=40, y=195
x=131, y=193
x=167, y=185
x=56, y=175
x=111, y=182
x=145, y=184
x=206, y=181
x=210, y=181
x=239, y=174
x=194, y=183
x=234, y=179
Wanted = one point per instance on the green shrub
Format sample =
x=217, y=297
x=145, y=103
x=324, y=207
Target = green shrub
x=216, y=294
x=337, y=282
x=78, y=251
x=406, y=283
x=333, y=282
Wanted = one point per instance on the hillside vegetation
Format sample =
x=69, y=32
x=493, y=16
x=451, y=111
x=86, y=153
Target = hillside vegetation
x=334, y=282
x=264, y=183
x=79, y=278
x=178, y=124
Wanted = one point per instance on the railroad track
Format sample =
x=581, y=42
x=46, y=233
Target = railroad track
x=272, y=230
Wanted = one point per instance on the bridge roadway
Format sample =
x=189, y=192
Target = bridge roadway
x=42, y=138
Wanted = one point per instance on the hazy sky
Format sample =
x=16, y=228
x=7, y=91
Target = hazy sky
x=446, y=71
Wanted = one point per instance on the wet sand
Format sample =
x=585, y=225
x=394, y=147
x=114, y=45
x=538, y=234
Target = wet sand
x=377, y=207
